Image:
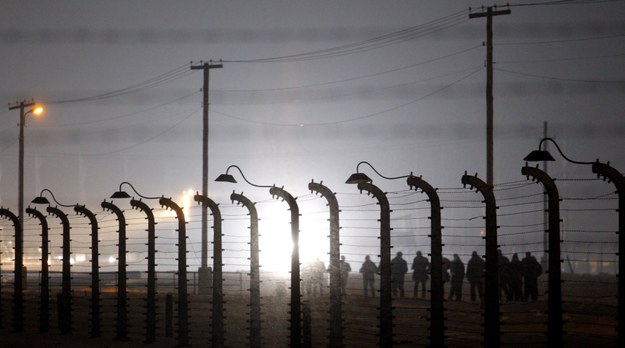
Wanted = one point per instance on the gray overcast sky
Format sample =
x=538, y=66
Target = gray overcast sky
x=412, y=103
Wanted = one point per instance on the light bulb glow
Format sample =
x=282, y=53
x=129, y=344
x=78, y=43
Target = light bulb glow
x=38, y=110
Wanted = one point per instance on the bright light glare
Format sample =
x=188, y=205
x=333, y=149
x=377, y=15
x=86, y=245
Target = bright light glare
x=314, y=245
x=186, y=199
x=185, y=202
x=275, y=245
x=313, y=238
x=38, y=110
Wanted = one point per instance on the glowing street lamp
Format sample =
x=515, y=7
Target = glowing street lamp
x=25, y=109
x=36, y=110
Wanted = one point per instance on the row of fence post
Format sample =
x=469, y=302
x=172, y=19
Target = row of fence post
x=491, y=332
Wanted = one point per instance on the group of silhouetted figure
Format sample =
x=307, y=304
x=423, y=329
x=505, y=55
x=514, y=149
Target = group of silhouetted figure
x=313, y=277
x=518, y=278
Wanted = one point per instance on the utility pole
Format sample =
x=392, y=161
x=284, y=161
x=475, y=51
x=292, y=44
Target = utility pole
x=545, y=258
x=20, y=205
x=19, y=231
x=490, y=12
x=204, y=277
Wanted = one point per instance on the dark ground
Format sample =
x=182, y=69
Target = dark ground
x=590, y=308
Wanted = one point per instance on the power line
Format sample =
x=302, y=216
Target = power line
x=355, y=77
x=369, y=44
x=140, y=142
x=603, y=56
x=544, y=77
x=78, y=123
x=147, y=84
x=182, y=71
x=399, y=90
x=590, y=38
x=358, y=118
x=9, y=146
x=562, y=2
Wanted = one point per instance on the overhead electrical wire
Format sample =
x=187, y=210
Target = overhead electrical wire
x=150, y=138
x=159, y=80
x=366, y=91
x=9, y=146
x=142, y=141
x=562, y=2
x=369, y=44
x=546, y=60
x=357, y=118
x=158, y=106
x=73, y=124
x=547, y=42
x=558, y=78
x=377, y=42
x=320, y=84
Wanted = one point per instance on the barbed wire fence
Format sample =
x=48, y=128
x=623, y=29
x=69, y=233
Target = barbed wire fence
x=589, y=264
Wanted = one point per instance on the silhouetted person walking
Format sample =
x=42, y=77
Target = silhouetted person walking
x=368, y=270
x=516, y=279
x=420, y=268
x=445, y=264
x=457, y=277
x=531, y=271
x=399, y=267
x=504, y=275
x=312, y=277
x=307, y=277
x=345, y=268
x=318, y=270
x=475, y=276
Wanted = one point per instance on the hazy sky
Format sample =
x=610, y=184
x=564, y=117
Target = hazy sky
x=307, y=90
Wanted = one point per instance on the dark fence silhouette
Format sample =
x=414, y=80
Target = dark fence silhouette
x=112, y=276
